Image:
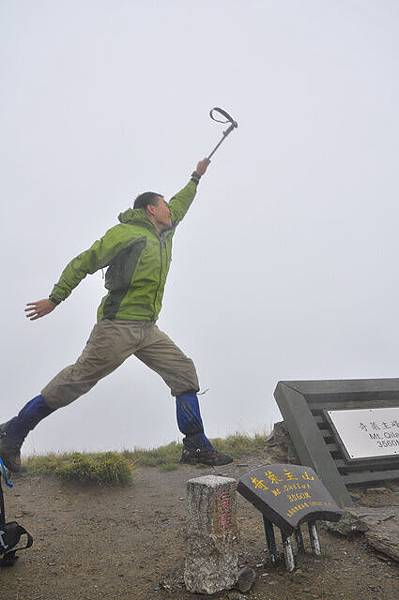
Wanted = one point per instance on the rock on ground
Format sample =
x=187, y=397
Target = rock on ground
x=380, y=525
x=385, y=538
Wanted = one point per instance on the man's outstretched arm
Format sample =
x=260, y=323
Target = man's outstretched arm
x=180, y=203
x=96, y=257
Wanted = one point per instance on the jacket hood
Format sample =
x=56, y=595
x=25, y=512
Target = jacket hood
x=134, y=216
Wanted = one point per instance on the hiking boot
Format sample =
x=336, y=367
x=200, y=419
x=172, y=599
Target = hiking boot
x=204, y=456
x=10, y=450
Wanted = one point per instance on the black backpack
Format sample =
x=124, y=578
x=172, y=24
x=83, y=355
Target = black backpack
x=10, y=533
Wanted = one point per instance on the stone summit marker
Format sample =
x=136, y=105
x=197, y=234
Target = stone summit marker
x=288, y=495
x=211, y=535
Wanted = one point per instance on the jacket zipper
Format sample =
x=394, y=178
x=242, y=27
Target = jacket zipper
x=161, y=243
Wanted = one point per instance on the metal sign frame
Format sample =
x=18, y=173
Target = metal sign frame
x=303, y=405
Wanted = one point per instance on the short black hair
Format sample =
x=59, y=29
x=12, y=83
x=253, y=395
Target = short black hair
x=143, y=200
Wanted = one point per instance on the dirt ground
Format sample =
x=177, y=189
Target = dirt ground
x=128, y=544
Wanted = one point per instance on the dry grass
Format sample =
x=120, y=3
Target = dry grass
x=117, y=468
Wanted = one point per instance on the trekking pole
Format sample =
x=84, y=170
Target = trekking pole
x=10, y=533
x=5, y=475
x=227, y=119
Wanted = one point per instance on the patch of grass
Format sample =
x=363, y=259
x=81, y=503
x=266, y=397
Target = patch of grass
x=237, y=444
x=168, y=467
x=241, y=444
x=155, y=457
x=116, y=468
x=104, y=468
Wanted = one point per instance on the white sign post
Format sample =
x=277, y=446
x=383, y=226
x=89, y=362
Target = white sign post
x=367, y=433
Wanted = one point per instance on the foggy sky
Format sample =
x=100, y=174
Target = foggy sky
x=286, y=265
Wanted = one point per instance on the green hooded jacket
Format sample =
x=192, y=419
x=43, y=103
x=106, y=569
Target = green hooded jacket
x=138, y=260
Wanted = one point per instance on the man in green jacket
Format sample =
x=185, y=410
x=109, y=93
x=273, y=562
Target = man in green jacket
x=137, y=253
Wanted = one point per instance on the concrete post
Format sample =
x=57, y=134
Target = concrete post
x=212, y=535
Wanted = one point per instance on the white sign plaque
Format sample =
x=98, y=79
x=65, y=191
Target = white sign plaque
x=367, y=432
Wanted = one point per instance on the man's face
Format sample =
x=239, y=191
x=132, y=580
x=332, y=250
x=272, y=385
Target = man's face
x=160, y=214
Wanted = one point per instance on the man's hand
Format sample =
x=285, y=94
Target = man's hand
x=40, y=308
x=202, y=166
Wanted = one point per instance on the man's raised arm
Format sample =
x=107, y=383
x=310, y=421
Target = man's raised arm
x=180, y=203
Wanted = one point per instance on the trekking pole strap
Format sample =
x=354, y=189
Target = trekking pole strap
x=10, y=537
x=225, y=114
x=227, y=119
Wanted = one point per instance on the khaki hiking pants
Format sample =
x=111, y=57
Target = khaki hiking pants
x=109, y=345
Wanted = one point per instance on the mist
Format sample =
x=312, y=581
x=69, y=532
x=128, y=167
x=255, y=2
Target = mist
x=284, y=267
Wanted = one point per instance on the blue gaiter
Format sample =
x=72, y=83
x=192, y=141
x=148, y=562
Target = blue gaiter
x=189, y=421
x=27, y=419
